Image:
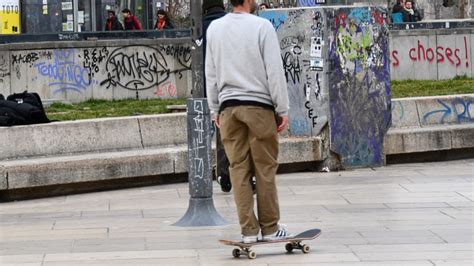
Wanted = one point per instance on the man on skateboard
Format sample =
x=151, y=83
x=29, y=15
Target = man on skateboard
x=247, y=94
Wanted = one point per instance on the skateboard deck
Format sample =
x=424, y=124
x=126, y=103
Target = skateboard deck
x=291, y=244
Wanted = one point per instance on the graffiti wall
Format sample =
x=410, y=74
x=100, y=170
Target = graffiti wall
x=302, y=34
x=429, y=111
x=336, y=63
x=359, y=87
x=432, y=55
x=78, y=74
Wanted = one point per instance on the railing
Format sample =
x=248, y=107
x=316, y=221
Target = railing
x=101, y=35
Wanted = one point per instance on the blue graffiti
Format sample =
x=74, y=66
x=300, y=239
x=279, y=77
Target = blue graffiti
x=465, y=115
x=307, y=3
x=66, y=75
x=401, y=107
x=298, y=127
x=459, y=107
x=360, y=15
x=276, y=18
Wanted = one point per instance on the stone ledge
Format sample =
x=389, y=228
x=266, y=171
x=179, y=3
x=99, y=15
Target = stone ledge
x=92, y=135
x=434, y=138
x=73, y=169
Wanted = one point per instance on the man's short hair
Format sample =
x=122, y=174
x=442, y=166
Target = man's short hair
x=126, y=10
x=111, y=11
x=237, y=2
x=208, y=4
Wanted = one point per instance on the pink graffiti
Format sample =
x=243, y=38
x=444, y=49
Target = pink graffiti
x=166, y=89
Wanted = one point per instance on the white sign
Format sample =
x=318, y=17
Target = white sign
x=317, y=64
x=316, y=47
x=66, y=6
x=80, y=16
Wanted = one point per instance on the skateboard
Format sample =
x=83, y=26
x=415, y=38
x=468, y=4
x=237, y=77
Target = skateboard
x=291, y=244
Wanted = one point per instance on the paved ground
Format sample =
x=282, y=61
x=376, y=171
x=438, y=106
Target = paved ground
x=411, y=214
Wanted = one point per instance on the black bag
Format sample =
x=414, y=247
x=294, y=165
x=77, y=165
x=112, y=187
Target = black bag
x=22, y=109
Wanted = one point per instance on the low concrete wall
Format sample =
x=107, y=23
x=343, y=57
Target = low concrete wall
x=65, y=153
x=74, y=152
x=94, y=135
x=106, y=69
x=426, y=124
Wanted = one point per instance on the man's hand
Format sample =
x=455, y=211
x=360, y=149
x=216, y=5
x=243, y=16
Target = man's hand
x=282, y=122
x=216, y=120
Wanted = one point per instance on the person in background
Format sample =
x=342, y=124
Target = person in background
x=112, y=22
x=163, y=21
x=263, y=6
x=130, y=21
x=410, y=14
x=211, y=10
x=399, y=6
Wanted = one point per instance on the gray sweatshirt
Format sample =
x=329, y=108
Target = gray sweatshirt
x=243, y=62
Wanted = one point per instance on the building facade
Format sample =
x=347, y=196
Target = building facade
x=51, y=16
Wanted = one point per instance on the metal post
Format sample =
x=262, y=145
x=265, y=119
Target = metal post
x=201, y=210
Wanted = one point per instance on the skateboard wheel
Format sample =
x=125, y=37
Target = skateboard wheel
x=289, y=247
x=306, y=249
x=252, y=255
x=236, y=253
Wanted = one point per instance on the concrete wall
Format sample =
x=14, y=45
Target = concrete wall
x=302, y=40
x=432, y=111
x=337, y=68
x=82, y=70
x=359, y=87
x=432, y=54
x=425, y=124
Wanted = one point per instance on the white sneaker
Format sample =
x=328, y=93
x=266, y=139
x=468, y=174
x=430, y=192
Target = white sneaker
x=249, y=239
x=281, y=233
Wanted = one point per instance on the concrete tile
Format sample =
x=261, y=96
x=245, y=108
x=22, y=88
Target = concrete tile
x=364, y=263
x=415, y=255
x=400, y=237
x=418, y=205
x=174, y=261
x=455, y=235
x=411, y=247
x=17, y=259
x=104, y=245
x=22, y=264
x=453, y=262
x=54, y=234
x=95, y=256
x=34, y=247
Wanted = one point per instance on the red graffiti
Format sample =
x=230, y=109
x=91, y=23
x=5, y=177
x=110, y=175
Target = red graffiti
x=166, y=88
x=395, y=62
x=440, y=54
x=378, y=18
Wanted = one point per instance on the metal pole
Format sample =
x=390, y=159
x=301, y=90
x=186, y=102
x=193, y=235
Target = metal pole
x=201, y=210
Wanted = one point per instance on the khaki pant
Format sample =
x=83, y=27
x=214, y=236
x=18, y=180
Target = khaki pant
x=251, y=143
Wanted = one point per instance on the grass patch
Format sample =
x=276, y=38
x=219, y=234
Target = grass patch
x=105, y=108
x=129, y=107
x=416, y=88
